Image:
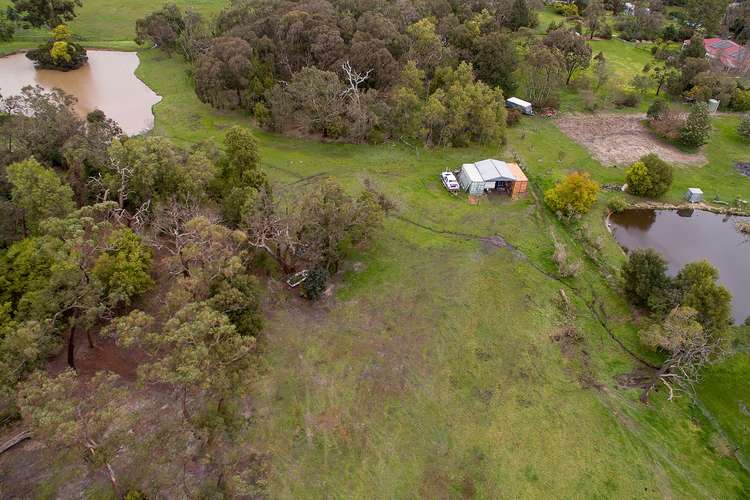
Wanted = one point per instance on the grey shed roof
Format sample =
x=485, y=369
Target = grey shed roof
x=695, y=191
x=494, y=170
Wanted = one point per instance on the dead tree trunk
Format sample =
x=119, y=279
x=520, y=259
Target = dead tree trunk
x=18, y=438
x=71, y=346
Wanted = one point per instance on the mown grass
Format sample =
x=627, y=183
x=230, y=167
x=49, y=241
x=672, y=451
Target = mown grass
x=432, y=371
x=626, y=59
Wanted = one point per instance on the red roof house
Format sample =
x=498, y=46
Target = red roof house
x=731, y=55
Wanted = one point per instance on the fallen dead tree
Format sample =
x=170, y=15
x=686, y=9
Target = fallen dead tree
x=17, y=439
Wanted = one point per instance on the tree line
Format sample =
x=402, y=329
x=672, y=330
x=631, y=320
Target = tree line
x=343, y=71
x=433, y=72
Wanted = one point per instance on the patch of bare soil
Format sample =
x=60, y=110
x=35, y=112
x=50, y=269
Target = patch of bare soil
x=621, y=139
x=105, y=355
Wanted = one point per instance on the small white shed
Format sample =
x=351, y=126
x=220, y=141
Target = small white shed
x=694, y=195
x=713, y=105
x=519, y=104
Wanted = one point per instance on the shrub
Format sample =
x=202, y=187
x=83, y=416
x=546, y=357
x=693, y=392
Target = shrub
x=657, y=110
x=661, y=174
x=744, y=128
x=637, y=178
x=641, y=83
x=262, y=115
x=565, y=9
x=697, y=128
x=574, y=195
x=671, y=32
x=551, y=102
x=565, y=267
x=650, y=176
x=590, y=102
x=513, y=117
x=617, y=204
x=552, y=26
x=669, y=125
x=315, y=284
x=376, y=136
x=336, y=128
x=645, y=277
x=626, y=98
x=741, y=100
x=605, y=32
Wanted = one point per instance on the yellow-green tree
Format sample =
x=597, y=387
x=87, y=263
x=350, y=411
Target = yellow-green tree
x=59, y=51
x=574, y=195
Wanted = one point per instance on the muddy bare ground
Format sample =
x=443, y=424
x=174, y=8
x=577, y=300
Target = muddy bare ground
x=621, y=139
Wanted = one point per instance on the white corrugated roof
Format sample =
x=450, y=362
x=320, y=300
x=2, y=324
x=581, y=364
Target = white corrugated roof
x=695, y=190
x=471, y=170
x=494, y=170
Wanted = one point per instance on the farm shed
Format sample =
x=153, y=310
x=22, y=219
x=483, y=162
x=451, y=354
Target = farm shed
x=493, y=175
x=694, y=195
x=519, y=104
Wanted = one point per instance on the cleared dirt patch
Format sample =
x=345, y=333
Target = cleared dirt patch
x=621, y=139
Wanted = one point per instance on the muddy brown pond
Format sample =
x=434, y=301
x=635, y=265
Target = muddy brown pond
x=107, y=82
x=684, y=236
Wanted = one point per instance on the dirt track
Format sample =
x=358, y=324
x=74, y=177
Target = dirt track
x=621, y=139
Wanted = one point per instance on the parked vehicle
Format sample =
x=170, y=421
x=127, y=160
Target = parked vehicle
x=519, y=104
x=450, y=182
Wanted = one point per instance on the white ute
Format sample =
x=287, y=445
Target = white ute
x=450, y=182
